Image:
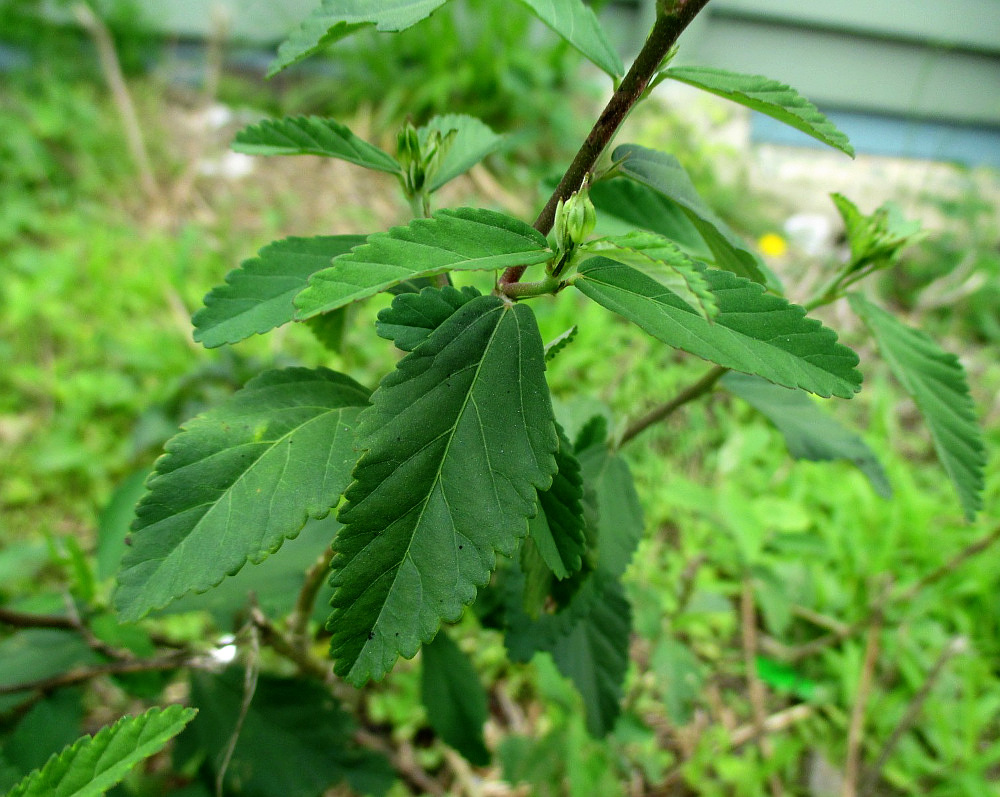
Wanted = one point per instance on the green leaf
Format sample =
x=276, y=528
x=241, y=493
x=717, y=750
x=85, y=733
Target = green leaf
x=411, y=317
x=456, y=443
x=754, y=332
x=335, y=19
x=560, y=342
x=257, y=296
x=114, y=521
x=311, y=135
x=588, y=641
x=467, y=239
x=768, y=96
x=50, y=725
x=664, y=174
x=473, y=140
x=936, y=381
x=808, y=431
x=661, y=259
x=39, y=653
x=876, y=240
x=295, y=741
x=579, y=26
x=557, y=529
x=238, y=481
x=679, y=677
x=455, y=700
x=640, y=206
x=330, y=328
x=619, y=523
x=91, y=766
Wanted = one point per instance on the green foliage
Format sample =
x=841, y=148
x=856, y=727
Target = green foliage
x=578, y=25
x=91, y=766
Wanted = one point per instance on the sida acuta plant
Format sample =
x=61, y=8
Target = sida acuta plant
x=453, y=478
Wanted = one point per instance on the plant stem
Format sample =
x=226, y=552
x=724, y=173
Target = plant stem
x=855, y=732
x=690, y=393
x=298, y=623
x=671, y=20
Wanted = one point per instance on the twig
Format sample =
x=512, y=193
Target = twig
x=855, y=731
x=17, y=619
x=755, y=689
x=82, y=674
x=690, y=393
x=271, y=636
x=775, y=723
x=123, y=100
x=953, y=648
x=978, y=547
x=673, y=16
x=402, y=761
x=250, y=674
x=298, y=622
x=686, y=584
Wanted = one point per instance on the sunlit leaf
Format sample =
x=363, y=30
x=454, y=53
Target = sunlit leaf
x=473, y=140
x=768, y=96
x=754, y=332
x=936, y=381
x=469, y=406
x=578, y=25
x=238, y=481
x=257, y=296
x=465, y=239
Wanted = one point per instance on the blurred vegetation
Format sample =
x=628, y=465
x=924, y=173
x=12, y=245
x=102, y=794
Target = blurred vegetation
x=99, y=369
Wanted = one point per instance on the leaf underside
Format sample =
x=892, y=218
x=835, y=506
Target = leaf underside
x=335, y=19
x=93, y=765
x=579, y=26
x=767, y=96
x=257, y=296
x=311, y=135
x=456, y=443
x=936, y=381
x=664, y=174
x=557, y=530
x=238, y=481
x=468, y=239
x=754, y=332
x=809, y=432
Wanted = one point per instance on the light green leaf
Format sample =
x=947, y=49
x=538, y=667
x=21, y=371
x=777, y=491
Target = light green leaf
x=936, y=381
x=876, y=239
x=578, y=25
x=557, y=529
x=311, y=135
x=661, y=259
x=238, y=481
x=411, y=317
x=473, y=141
x=768, y=96
x=335, y=19
x=588, y=641
x=92, y=765
x=808, y=431
x=455, y=700
x=295, y=739
x=456, y=443
x=560, y=342
x=466, y=239
x=754, y=332
x=257, y=296
x=664, y=174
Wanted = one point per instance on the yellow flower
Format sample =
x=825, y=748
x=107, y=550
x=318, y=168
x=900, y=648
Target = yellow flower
x=772, y=245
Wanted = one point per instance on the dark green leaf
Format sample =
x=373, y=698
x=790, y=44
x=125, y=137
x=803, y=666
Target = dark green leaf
x=638, y=205
x=454, y=698
x=588, y=641
x=114, y=521
x=52, y=724
x=335, y=19
x=578, y=25
x=662, y=260
x=936, y=381
x=39, y=653
x=467, y=239
x=238, y=481
x=310, y=135
x=808, y=431
x=664, y=174
x=412, y=317
x=754, y=332
x=295, y=740
x=557, y=530
x=456, y=443
x=768, y=96
x=257, y=296
x=473, y=140
x=330, y=328
x=93, y=765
